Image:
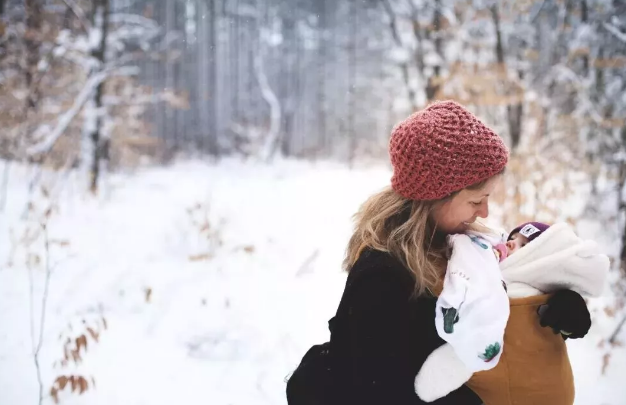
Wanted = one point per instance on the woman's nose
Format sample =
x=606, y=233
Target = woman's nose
x=483, y=210
x=510, y=244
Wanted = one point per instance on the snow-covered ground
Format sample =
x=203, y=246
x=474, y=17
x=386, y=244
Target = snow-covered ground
x=197, y=314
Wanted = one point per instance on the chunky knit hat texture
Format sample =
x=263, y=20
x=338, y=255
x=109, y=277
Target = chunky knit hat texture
x=442, y=149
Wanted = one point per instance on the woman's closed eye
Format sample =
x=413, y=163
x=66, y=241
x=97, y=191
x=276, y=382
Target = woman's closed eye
x=476, y=203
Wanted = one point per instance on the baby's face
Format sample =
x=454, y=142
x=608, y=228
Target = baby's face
x=516, y=243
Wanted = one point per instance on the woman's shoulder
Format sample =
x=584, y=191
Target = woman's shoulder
x=381, y=268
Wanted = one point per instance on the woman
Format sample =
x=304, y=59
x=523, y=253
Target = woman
x=446, y=164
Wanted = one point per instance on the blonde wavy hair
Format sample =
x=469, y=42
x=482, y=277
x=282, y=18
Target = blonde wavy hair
x=404, y=228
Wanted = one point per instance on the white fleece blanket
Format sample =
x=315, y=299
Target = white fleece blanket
x=473, y=309
x=557, y=259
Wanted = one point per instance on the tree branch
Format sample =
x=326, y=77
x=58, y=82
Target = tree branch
x=42, y=318
x=613, y=337
x=536, y=14
x=615, y=31
x=272, y=100
x=91, y=85
x=133, y=19
x=69, y=115
x=392, y=22
x=78, y=12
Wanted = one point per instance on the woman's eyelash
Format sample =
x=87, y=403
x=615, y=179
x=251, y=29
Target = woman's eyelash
x=475, y=203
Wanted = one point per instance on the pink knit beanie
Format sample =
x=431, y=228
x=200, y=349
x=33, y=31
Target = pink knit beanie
x=442, y=149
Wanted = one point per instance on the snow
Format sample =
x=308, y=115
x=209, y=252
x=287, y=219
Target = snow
x=43, y=65
x=96, y=32
x=224, y=330
x=399, y=55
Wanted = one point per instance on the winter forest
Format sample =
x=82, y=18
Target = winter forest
x=177, y=177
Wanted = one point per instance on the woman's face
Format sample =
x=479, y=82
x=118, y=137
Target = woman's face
x=455, y=215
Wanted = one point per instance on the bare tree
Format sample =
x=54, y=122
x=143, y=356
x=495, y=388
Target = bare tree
x=404, y=65
x=352, y=81
x=95, y=145
x=32, y=41
x=433, y=81
x=514, y=111
x=272, y=138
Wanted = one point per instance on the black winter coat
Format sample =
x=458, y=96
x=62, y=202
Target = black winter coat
x=380, y=337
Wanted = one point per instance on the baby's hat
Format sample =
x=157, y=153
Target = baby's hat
x=531, y=230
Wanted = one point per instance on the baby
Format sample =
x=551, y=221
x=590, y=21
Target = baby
x=485, y=275
x=462, y=264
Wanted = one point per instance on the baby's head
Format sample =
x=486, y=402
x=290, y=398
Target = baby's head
x=524, y=234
